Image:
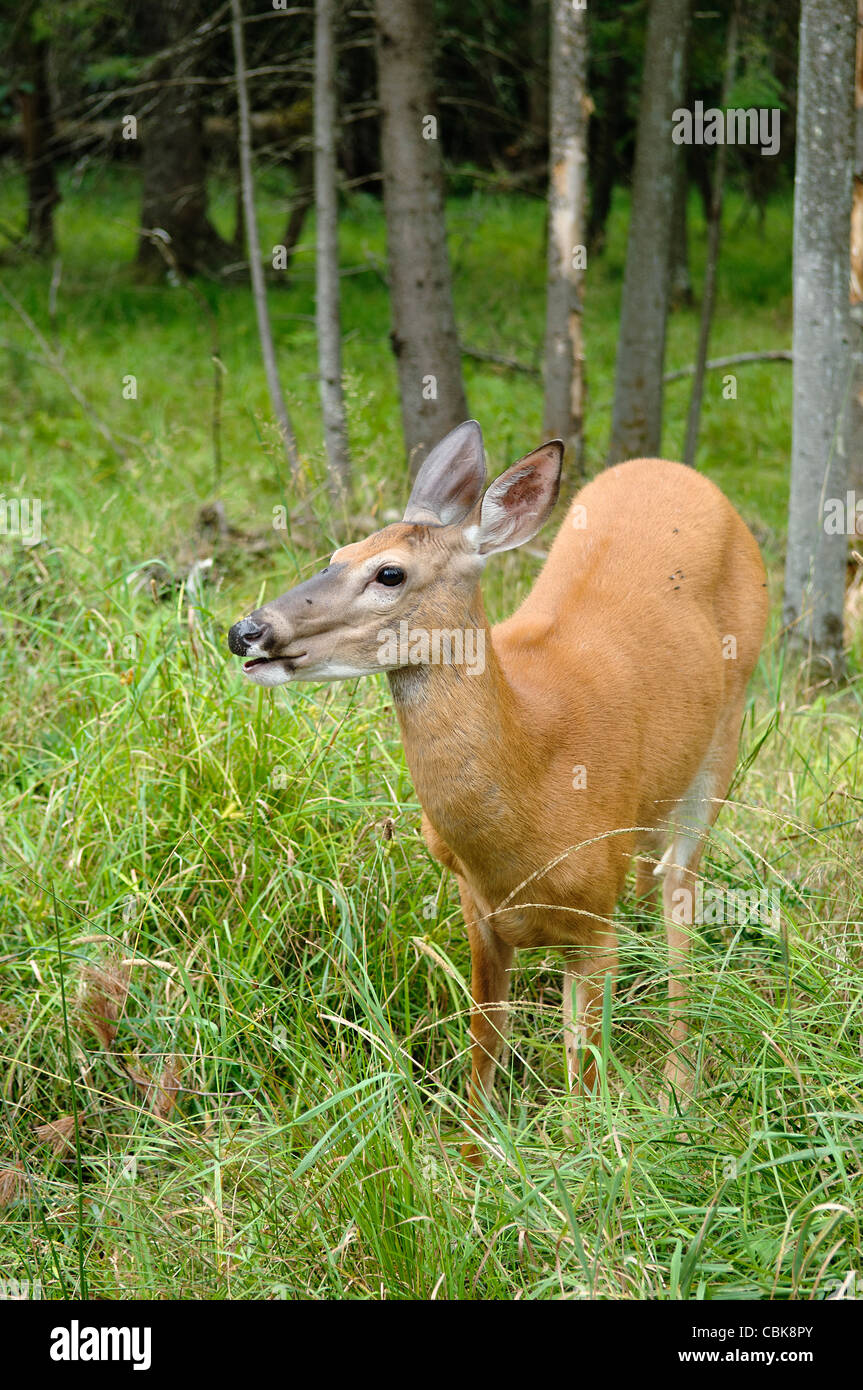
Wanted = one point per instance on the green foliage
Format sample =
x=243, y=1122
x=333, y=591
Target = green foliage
x=249, y=866
x=756, y=87
x=107, y=73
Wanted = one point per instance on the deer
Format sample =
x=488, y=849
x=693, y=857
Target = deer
x=596, y=727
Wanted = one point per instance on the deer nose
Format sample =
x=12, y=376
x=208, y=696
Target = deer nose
x=249, y=632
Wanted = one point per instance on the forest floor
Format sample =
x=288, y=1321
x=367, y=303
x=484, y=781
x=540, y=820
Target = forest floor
x=218, y=916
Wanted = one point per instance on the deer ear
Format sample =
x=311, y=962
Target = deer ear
x=520, y=501
x=451, y=478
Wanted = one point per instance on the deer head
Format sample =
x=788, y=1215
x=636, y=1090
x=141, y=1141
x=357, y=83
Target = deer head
x=423, y=570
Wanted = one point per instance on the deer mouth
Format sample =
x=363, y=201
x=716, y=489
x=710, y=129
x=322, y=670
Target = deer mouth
x=271, y=670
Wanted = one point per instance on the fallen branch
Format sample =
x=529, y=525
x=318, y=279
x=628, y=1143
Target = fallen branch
x=737, y=359
x=511, y=363
x=715, y=364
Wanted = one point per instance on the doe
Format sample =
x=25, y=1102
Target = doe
x=598, y=723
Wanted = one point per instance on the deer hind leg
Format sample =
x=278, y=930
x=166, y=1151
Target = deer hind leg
x=693, y=818
x=583, y=990
x=491, y=960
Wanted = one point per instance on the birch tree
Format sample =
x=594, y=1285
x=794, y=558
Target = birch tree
x=815, y=562
x=855, y=426
x=259, y=292
x=567, y=230
x=327, y=252
x=424, y=336
x=636, y=427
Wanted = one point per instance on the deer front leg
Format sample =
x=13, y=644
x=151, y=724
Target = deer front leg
x=491, y=959
x=583, y=989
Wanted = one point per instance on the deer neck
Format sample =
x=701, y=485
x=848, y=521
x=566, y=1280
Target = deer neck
x=461, y=723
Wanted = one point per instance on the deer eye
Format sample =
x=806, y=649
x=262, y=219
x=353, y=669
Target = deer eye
x=390, y=575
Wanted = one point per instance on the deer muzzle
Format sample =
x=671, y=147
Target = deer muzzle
x=274, y=640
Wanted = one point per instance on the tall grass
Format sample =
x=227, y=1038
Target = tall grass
x=233, y=996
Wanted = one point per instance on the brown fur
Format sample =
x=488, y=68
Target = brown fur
x=613, y=664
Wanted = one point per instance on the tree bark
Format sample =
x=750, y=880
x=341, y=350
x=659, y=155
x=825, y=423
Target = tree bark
x=538, y=88
x=38, y=130
x=855, y=423
x=174, y=171
x=679, y=278
x=424, y=337
x=603, y=157
x=327, y=257
x=636, y=427
x=714, y=234
x=567, y=232
x=815, y=562
x=259, y=292
x=302, y=200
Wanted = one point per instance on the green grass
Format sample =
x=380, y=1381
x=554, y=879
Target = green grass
x=243, y=877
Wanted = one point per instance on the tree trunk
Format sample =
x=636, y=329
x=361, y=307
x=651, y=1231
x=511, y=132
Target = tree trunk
x=302, y=199
x=424, y=336
x=567, y=232
x=637, y=416
x=815, y=562
x=855, y=423
x=170, y=130
x=537, y=93
x=259, y=292
x=38, y=131
x=714, y=233
x=327, y=257
x=680, y=280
